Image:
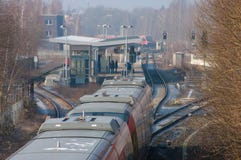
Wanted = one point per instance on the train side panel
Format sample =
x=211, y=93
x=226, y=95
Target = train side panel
x=142, y=117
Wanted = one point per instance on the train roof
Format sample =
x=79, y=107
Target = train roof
x=60, y=147
x=71, y=138
x=81, y=123
x=125, y=82
x=110, y=98
x=118, y=92
x=114, y=95
x=100, y=107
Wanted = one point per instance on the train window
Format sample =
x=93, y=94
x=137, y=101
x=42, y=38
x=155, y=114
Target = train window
x=93, y=119
x=115, y=126
x=126, y=116
x=122, y=116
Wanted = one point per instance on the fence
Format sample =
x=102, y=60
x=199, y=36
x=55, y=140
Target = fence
x=45, y=54
x=13, y=113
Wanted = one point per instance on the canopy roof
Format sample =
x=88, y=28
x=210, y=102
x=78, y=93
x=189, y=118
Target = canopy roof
x=96, y=42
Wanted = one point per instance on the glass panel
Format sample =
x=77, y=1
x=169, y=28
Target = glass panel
x=120, y=115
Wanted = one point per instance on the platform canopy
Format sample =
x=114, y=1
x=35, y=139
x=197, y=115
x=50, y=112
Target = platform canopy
x=96, y=42
x=75, y=40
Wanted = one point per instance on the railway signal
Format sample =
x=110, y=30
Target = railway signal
x=193, y=35
x=164, y=35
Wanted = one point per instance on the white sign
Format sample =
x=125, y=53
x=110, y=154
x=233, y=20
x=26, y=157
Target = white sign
x=35, y=59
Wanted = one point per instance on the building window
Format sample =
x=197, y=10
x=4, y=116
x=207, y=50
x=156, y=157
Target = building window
x=48, y=33
x=49, y=22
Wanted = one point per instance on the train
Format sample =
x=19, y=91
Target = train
x=114, y=123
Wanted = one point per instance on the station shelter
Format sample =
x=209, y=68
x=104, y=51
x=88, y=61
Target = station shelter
x=90, y=56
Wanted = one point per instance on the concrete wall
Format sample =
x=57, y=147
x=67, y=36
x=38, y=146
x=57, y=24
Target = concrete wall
x=45, y=54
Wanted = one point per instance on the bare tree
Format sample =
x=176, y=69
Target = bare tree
x=9, y=29
x=219, y=23
x=52, y=7
x=19, y=35
x=179, y=24
x=176, y=20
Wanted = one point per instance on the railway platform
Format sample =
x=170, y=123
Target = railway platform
x=136, y=68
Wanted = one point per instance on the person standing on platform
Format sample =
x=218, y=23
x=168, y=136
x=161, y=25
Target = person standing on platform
x=116, y=66
x=112, y=66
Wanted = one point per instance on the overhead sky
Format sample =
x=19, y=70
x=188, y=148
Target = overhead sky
x=121, y=4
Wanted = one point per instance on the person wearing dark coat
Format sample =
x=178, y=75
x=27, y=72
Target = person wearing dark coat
x=112, y=66
x=116, y=66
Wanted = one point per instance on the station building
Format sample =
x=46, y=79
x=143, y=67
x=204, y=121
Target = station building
x=86, y=57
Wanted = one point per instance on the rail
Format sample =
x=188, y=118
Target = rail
x=153, y=77
x=164, y=85
x=50, y=104
x=63, y=105
x=163, y=123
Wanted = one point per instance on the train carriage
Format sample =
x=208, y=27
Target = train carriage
x=112, y=123
x=129, y=100
x=87, y=138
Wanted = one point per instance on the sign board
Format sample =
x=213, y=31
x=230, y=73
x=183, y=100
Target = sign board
x=35, y=59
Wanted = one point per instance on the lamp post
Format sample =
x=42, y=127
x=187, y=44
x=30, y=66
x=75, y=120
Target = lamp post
x=105, y=30
x=66, y=55
x=98, y=30
x=125, y=29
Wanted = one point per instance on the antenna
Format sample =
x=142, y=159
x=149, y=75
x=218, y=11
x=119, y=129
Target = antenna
x=132, y=102
x=82, y=117
x=58, y=145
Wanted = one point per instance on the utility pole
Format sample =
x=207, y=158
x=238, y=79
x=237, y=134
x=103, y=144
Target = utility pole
x=125, y=28
x=66, y=63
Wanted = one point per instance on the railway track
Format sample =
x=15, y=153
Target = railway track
x=53, y=101
x=164, y=129
x=51, y=107
x=154, y=78
x=165, y=122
